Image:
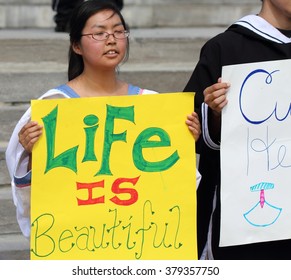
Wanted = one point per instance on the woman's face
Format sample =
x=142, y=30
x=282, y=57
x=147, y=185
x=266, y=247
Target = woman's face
x=104, y=54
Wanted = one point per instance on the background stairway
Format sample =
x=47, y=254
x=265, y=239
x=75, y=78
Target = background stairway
x=139, y=13
x=166, y=37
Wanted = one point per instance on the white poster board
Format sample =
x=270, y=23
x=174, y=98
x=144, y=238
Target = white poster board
x=256, y=154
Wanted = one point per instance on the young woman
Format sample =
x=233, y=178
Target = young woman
x=98, y=44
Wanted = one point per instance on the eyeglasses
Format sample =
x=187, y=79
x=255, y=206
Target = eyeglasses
x=102, y=36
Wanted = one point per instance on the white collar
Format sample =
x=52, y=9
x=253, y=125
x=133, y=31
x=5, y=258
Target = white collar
x=263, y=28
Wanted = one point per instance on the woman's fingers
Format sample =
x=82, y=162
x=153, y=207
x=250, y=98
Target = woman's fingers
x=194, y=125
x=29, y=134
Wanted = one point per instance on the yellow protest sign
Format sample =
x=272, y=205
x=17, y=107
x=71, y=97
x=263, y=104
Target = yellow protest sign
x=114, y=178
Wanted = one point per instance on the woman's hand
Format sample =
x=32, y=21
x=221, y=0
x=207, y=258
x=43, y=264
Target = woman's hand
x=29, y=134
x=194, y=125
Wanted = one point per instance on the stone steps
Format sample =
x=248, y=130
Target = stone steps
x=46, y=58
x=13, y=245
x=160, y=59
x=139, y=14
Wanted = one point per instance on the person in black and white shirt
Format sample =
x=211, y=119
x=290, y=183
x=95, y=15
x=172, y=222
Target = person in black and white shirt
x=253, y=38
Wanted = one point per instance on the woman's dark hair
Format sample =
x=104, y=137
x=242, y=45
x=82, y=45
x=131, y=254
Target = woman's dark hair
x=78, y=20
